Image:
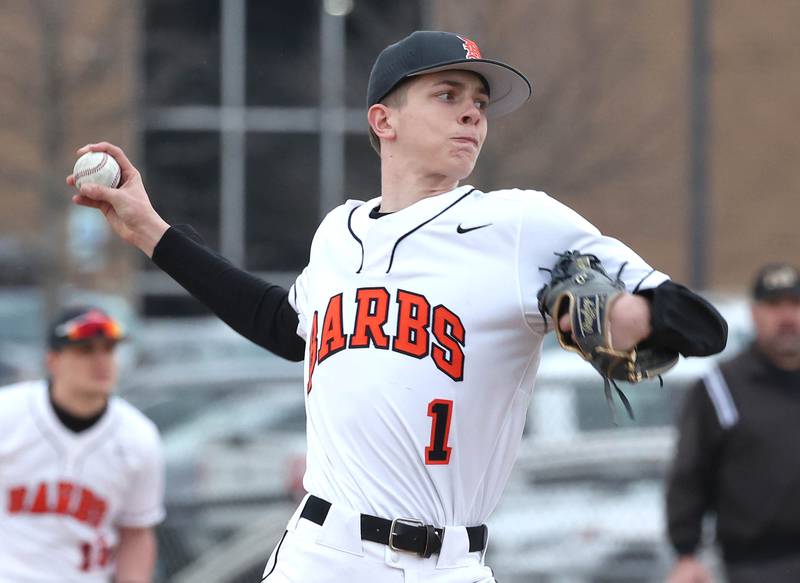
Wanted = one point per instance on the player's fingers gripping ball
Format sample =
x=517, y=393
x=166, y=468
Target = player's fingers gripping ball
x=96, y=168
x=580, y=288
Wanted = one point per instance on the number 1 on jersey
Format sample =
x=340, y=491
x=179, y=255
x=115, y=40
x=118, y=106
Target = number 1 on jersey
x=441, y=411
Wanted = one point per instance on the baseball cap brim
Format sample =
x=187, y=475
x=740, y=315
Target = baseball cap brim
x=508, y=88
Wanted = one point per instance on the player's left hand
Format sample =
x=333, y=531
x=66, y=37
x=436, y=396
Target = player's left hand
x=629, y=319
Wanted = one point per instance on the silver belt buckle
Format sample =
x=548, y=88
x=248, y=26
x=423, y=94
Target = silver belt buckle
x=409, y=522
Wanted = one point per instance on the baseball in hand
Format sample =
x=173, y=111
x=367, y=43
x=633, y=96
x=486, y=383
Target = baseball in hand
x=96, y=168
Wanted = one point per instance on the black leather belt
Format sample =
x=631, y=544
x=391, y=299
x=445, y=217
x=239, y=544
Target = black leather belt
x=401, y=534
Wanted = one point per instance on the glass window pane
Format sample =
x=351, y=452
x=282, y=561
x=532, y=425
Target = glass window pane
x=181, y=175
x=282, y=53
x=370, y=27
x=181, y=52
x=282, y=200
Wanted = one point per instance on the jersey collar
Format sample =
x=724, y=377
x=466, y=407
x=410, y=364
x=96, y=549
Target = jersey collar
x=400, y=222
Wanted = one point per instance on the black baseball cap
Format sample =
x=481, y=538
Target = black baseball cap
x=429, y=51
x=776, y=280
x=81, y=324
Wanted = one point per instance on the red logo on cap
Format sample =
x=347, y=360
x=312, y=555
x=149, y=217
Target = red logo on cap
x=473, y=52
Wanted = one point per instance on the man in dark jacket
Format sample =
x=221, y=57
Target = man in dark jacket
x=738, y=453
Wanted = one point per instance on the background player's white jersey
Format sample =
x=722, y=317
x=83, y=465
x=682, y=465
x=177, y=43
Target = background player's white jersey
x=64, y=494
x=417, y=392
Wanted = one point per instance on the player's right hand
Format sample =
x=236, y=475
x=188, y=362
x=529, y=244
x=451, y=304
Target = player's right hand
x=127, y=208
x=690, y=570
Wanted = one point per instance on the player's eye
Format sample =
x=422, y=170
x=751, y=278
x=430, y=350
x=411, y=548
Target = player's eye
x=482, y=104
x=445, y=96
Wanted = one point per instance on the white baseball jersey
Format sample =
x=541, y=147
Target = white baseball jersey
x=424, y=338
x=64, y=494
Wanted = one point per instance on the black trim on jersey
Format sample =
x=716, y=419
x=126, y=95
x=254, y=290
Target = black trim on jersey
x=73, y=422
x=350, y=228
x=256, y=309
x=277, y=550
x=376, y=213
x=391, y=259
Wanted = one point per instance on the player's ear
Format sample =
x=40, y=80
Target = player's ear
x=380, y=120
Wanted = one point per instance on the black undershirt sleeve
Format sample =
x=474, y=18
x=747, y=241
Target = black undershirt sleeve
x=256, y=309
x=682, y=320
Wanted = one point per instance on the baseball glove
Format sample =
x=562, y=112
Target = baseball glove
x=580, y=287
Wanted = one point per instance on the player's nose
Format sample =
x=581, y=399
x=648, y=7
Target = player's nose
x=471, y=115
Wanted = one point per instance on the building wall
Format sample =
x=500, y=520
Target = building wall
x=755, y=141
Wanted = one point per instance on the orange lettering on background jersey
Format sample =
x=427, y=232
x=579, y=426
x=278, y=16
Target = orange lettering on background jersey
x=40, y=502
x=97, y=511
x=333, y=339
x=312, y=351
x=84, y=506
x=16, y=499
x=412, y=324
x=64, y=497
x=371, y=315
x=58, y=498
x=449, y=332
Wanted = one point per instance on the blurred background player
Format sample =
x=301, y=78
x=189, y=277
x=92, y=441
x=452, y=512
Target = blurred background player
x=737, y=454
x=81, y=472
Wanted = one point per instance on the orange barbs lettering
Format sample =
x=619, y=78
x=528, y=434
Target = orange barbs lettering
x=449, y=332
x=39, y=505
x=16, y=499
x=333, y=339
x=413, y=318
x=62, y=498
x=417, y=331
x=312, y=351
x=371, y=315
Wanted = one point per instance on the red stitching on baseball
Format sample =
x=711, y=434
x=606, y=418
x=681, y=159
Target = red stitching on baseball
x=94, y=169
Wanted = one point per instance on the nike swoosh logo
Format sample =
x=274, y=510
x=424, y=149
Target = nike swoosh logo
x=461, y=230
